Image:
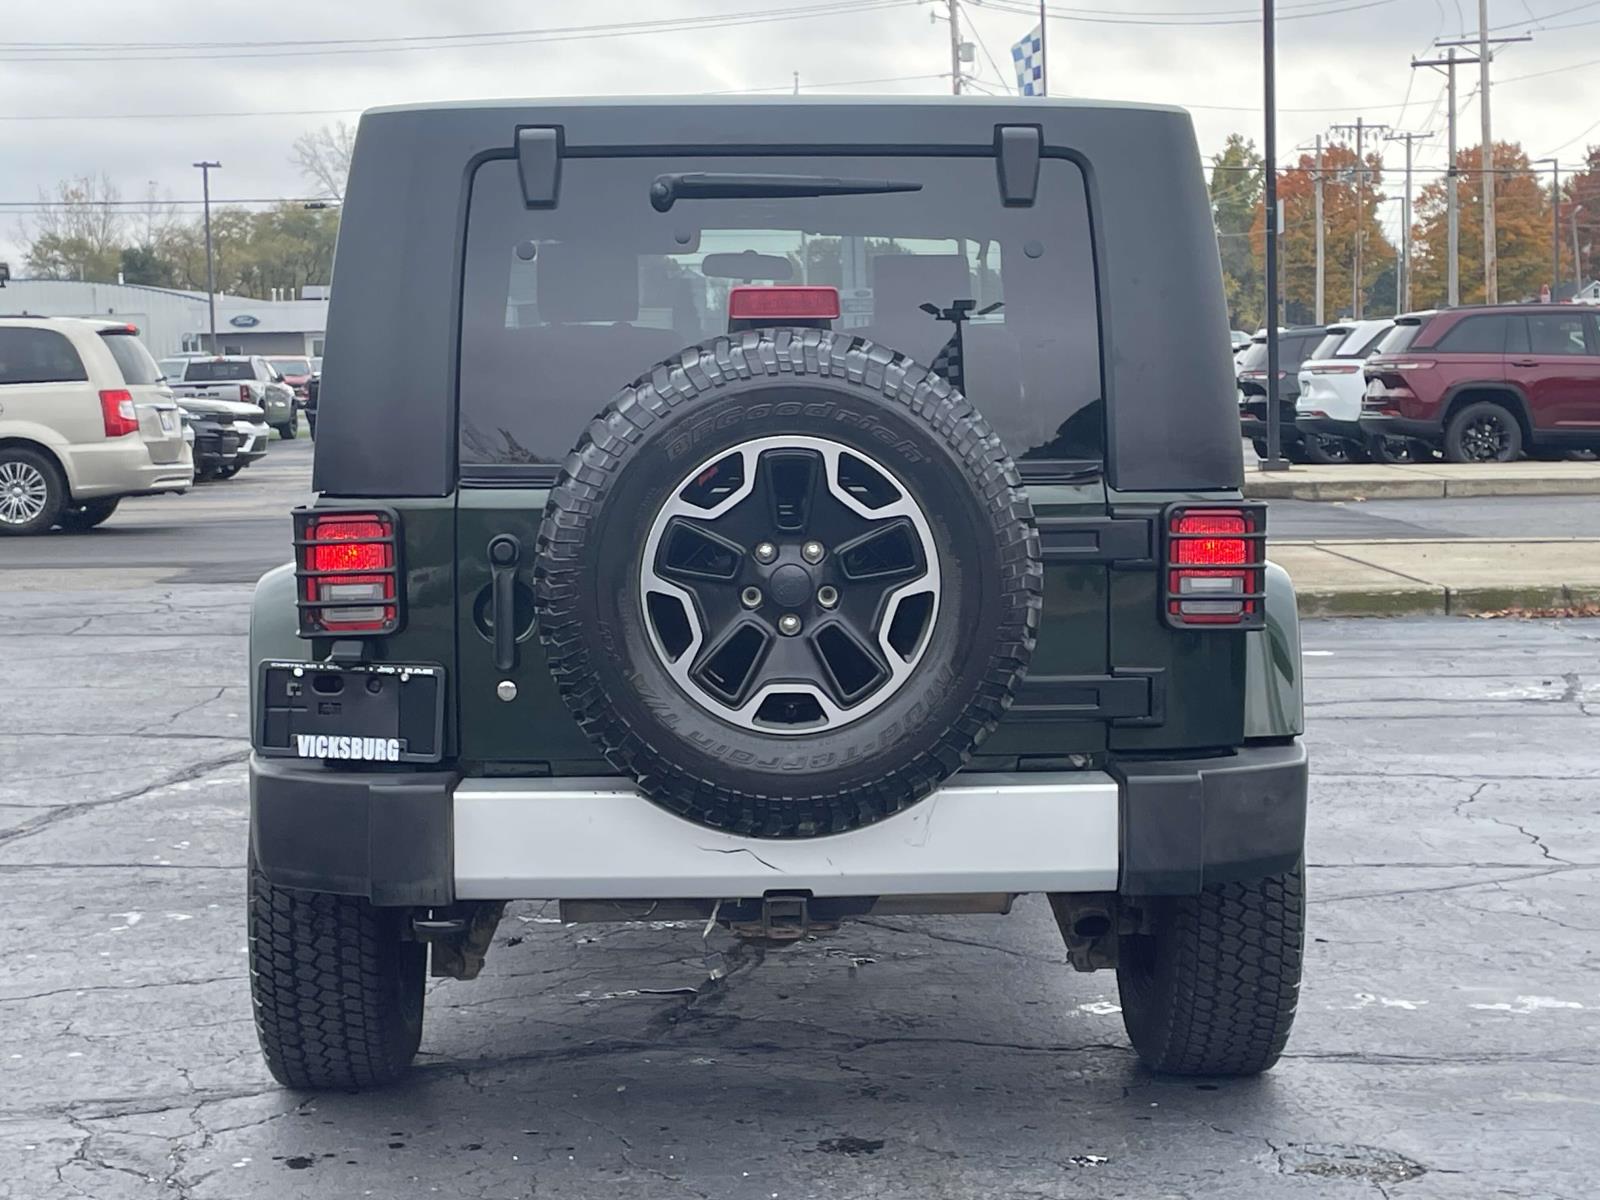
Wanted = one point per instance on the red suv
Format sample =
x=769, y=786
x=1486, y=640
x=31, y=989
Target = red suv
x=1486, y=384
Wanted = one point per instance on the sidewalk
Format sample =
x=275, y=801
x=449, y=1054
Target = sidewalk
x=1422, y=481
x=1460, y=576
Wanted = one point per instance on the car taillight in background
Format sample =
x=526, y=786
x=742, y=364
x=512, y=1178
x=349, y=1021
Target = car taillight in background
x=244, y=394
x=347, y=565
x=1214, y=564
x=1334, y=369
x=116, y=410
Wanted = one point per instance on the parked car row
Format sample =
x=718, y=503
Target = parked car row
x=88, y=417
x=1485, y=384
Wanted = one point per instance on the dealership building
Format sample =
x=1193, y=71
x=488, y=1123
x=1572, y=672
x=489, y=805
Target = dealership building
x=172, y=321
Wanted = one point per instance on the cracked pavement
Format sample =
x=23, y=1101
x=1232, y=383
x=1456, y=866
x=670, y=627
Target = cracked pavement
x=1447, y=1046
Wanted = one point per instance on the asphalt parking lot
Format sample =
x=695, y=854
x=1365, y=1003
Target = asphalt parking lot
x=1448, y=1042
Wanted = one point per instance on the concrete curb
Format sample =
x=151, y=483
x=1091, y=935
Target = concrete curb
x=1415, y=487
x=1434, y=601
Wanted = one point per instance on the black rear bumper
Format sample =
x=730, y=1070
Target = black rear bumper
x=386, y=836
x=1185, y=823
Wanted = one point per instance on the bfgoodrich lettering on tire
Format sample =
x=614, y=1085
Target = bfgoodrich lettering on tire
x=788, y=580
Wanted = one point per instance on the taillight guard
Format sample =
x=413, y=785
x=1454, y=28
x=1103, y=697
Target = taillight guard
x=1214, y=566
x=347, y=572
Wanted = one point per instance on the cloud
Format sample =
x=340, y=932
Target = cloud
x=1334, y=63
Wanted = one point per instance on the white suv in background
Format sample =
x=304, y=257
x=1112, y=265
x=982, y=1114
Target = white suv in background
x=84, y=421
x=1328, y=409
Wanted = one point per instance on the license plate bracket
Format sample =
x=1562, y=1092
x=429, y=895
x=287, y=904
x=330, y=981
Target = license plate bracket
x=359, y=712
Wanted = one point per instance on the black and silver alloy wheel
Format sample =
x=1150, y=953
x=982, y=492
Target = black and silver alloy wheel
x=23, y=492
x=789, y=581
x=789, y=584
x=32, y=492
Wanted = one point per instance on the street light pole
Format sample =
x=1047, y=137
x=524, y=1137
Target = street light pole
x=211, y=275
x=1274, y=460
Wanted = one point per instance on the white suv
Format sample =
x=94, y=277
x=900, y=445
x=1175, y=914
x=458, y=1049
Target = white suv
x=1328, y=408
x=84, y=421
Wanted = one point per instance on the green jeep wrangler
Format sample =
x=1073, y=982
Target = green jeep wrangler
x=772, y=513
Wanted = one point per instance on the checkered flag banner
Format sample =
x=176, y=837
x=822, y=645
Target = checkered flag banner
x=1028, y=55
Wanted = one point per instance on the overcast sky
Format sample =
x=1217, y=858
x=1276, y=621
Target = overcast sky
x=75, y=115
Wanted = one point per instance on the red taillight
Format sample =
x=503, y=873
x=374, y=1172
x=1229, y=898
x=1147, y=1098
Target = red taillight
x=116, y=410
x=1214, y=561
x=244, y=394
x=783, y=304
x=1335, y=369
x=349, y=573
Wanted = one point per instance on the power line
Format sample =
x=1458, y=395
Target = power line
x=1093, y=17
x=174, y=52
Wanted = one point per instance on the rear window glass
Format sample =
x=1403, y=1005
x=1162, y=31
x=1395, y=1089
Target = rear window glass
x=38, y=356
x=291, y=366
x=1367, y=346
x=133, y=360
x=218, y=372
x=563, y=307
x=1398, y=339
x=1328, y=347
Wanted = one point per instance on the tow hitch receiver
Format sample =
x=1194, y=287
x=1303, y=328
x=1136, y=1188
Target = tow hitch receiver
x=784, y=918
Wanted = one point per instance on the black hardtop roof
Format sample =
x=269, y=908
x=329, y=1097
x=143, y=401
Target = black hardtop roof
x=393, y=319
x=964, y=103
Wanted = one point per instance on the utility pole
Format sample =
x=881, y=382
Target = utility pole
x=1491, y=267
x=1403, y=290
x=1482, y=41
x=1555, y=222
x=211, y=275
x=1322, y=273
x=1274, y=460
x=1577, y=256
x=955, y=46
x=1360, y=129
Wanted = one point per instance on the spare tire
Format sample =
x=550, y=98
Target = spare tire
x=788, y=580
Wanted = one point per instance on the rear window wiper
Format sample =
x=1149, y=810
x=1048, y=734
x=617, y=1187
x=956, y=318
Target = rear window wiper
x=667, y=190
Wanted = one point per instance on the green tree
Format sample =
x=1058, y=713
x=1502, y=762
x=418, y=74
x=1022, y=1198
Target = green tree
x=144, y=264
x=1237, y=180
x=78, y=232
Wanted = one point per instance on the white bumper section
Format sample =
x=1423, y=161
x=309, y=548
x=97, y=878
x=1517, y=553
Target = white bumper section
x=599, y=839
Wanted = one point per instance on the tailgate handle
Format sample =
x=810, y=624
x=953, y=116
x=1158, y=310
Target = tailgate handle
x=504, y=552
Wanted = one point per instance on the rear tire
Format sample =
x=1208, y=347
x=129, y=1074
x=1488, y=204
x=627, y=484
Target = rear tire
x=1211, y=990
x=290, y=429
x=1483, y=432
x=32, y=492
x=87, y=515
x=338, y=995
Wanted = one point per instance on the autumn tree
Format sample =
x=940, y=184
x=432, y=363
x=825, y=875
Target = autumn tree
x=1582, y=196
x=1522, y=230
x=1236, y=181
x=1349, y=202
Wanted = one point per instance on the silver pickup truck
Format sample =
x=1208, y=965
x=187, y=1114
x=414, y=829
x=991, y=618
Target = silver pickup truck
x=241, y=379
